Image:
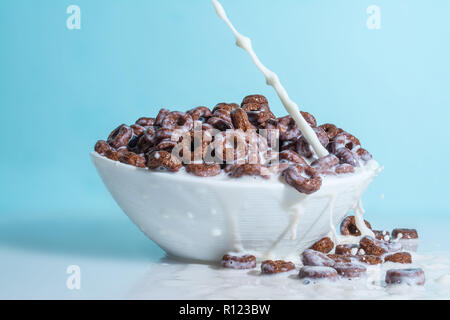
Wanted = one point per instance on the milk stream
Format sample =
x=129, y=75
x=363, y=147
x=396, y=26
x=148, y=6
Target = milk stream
x=273, y=81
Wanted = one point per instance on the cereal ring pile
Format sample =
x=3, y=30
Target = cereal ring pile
x=325, y=260
x=238, y=140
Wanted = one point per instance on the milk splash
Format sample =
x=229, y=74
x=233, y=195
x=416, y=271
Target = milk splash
x=273, y=81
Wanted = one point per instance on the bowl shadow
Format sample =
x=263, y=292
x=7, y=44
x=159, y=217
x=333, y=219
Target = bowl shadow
x=91, y=236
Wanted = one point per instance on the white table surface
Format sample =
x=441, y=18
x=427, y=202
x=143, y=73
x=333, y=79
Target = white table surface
x=118, y=262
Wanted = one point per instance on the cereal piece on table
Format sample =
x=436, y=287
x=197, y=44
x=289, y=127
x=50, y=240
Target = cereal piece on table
x=316, y=258
x=405, y=233
x=369, y=259
x=347, y=249
x=239, y=262
x=324, y=245
x=277, y=266
x=348, y=226
x=349, y=270
x=405, y=276
x=317, y=273
x=373, y=246
x=399, y=257
x=339, y=258
x=382, y=235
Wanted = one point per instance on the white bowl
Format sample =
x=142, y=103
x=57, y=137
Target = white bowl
x=203, y=218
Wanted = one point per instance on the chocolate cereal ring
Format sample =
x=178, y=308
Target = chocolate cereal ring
x=303, y=147
x=248, y=169
x=345, y=140
x=225, y=106
x=364, y=154
x=347, y=249
x=318, y=273
x=369, y=259
x=254, y=98
x=344, y=168
x=101, y=147
x=163, y=160
x=177, y=120
x=160, y=117
x=348, y=226
x=145, y=121
x=240, y=120
x=203, y=169
x=303, y=178
x=315, y=258
x=111, y=154
x=138, y=130
x=399, y=257
x=291, y=157
x=405, y=276
x=258, y=114
x=324, y=245
x=120, y=136
x=238, y=262
x=349, y=270
x=347, y=156
x=373, y=246
x=288, y=129
x=327, y=162
x=277, y=266
x=331, y=130
x=132, y=159
x=200, y=114
x=405, y=233
x=220, y=124
x=337, y=258
x=309, y=118
x=146, y=141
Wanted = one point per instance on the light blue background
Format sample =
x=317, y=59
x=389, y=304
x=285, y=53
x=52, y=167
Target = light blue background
x=61, y=90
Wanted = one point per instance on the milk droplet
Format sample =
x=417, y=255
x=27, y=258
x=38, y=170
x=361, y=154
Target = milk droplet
x=190, y=215
x=213, y=211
